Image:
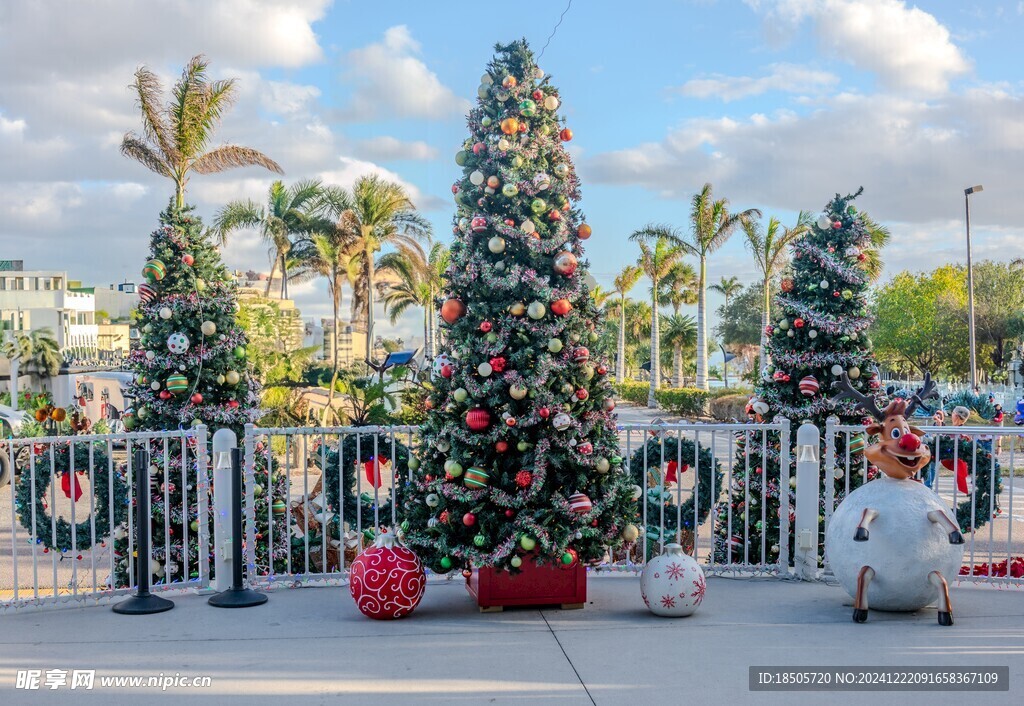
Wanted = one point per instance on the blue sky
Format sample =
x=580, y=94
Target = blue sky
x=778, y=103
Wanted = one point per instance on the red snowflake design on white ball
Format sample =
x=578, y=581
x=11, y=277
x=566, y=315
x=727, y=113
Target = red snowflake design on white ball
x=675, y=571
x=699, y=585
x=668, y=601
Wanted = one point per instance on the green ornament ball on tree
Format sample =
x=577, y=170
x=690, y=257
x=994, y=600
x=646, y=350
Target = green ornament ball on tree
x=479, y=540
x=446, y=563
x=239, y=352
x=516, y=562
x=567, y=558
x=527, y=542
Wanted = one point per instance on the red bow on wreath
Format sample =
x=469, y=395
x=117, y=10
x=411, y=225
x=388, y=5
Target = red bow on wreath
x=65, y=485
x=670, y=474
x=371, y=469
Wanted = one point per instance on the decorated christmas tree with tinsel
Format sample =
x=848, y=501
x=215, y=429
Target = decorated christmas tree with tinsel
x=190, y=368
x=519, y=456
x=819, y=333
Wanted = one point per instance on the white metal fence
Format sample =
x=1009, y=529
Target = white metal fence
x=978, y=472
x=67, y=526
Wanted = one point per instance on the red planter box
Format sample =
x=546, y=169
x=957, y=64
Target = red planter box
x=533, y=586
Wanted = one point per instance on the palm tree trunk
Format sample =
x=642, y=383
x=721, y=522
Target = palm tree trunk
x=725, y=355
x=765, y=316
x=702, y=328
x=369, y=303
x=652, y=400
x=620, y=360
x=428, y=345
x=273, y=271
x=336, y=300
x=677, y=365
x=284, y=276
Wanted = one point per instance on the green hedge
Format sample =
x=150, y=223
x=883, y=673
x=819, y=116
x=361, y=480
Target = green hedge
x=632, y=391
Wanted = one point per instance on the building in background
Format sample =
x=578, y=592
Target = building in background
x=351, y=343
x=252, y=289
x=313, y=337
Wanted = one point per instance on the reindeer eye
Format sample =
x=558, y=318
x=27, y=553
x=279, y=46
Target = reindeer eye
x=896, y=433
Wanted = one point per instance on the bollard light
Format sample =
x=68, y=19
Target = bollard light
x=807, y=453
x=223, y=460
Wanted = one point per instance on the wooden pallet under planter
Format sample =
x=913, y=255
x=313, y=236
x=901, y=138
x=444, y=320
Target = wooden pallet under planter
x=546, y=585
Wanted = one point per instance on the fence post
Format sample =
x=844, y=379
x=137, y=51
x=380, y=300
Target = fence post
x=808, y=474
x=223, y=441
x=143, y=602
x=203, y=495
x=830, y=467
x=784, y=509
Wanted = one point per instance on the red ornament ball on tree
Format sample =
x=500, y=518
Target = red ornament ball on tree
x=165, y=395
x=501, y=446
x=510, y=421
x=387, y=580
x=446, y=371
x=452, y=310
x=582, y=394
x=478, y=419
x=565, y=135
x=523, y=479
x=187, y=260
x=561, y=307
x=509, y=513
x=485, y=326
x=543, y=412
x=469, y=519
x=197, y=398
x=584, y=231
x=798, y=323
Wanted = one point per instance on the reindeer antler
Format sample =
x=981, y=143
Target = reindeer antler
x=918, y=398
x=866, y=402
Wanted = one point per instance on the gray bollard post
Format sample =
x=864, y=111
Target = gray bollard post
x=808, y=473
x=223, y=441
x=143, y=602
x=238, y=596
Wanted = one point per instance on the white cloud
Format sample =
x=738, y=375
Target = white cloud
x=351, y=169
x=781, y=77
x=129, y=191
x=12, y=128
x=906, y=47
x=386, y=148
x=286, y=98
x=391, y=80
x=913, y=157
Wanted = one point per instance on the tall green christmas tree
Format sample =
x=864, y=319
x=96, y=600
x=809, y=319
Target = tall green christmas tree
x=819, y=332
x=190, y=368
x=520, y=452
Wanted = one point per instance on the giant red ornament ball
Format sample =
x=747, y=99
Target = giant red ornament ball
x=197, y=398
x=478, y=419
x=584, y=231
x=565, y=134
x=582, y=394
x=543, y=412
x=485, y=326
x=523, y=479
x=469, y=519
x=498, y=364
x=501, y=446
x=798, y=323
x=387, y=580
x=446, y=371
x=452, y=310
x=187, y=260
x=565, y=263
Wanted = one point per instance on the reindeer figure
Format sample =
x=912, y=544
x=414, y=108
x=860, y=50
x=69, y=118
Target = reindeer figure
x=900, y=454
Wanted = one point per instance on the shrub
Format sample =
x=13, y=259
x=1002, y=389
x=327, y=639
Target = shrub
x=684, y=401
x=632, y=391
x=727, y=407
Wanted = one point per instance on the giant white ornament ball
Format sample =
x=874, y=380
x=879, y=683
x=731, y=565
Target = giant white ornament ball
x=496, y=245
x=561, y=421
x=824, y=284
x=837, y=370
x=903, y=545
x=790, y=333
x=482, y=91
x=439, y=362
x=812, y=334
x=208, y=328
x=150, y=355
x=486, y=80
x=672, y=585
x=504, y=145
x=476, y=177
x=824, y=222
x=484, y=369
x=165, y=313
x=177, y=343
x=527, y=226
x=536, y=310
x=551, y=102
x=542, y=181
x=432, y=500
x=155, y=385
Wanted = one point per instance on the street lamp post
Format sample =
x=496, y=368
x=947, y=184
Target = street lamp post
x=970, y=284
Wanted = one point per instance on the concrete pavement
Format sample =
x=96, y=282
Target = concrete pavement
x=312, y=646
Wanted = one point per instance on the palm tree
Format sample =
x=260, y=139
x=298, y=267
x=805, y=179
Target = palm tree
x=374, y=214
x=175, y=136
x=711, y=224
x=878, y=236
x=624, y=281
x=37, y=349
x=285, y=217
x=679, y=287
x=638, y=325
x=680, y=332
x=656, y=262
x=327, y=254
x=600, y=296
x=418, y=280
x=727, y=287
x=770, y=250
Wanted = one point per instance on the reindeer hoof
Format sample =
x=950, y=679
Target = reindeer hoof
x=860, y=615
x=861, y=535
x=945, y=618
x=955, y=537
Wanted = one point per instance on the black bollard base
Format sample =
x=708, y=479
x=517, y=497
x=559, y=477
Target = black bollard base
x=237, y=598
x=143, y=605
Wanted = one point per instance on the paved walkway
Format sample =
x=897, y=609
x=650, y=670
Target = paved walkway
x=312, y=646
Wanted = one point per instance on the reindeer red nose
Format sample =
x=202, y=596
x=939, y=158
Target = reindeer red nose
x=910, y=442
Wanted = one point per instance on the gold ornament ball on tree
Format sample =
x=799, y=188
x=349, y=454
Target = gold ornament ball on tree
x=232, y=377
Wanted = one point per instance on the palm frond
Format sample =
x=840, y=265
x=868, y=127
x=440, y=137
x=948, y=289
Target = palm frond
x=133, y=147
x=236, y=215
x=231, y=156
x=148, y=93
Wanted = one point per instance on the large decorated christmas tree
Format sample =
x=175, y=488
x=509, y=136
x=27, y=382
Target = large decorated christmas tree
x=519, y=455
x=819, y=332
x=190, y=368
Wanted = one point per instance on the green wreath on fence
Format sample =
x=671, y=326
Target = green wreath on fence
x=398, y=464
x=981, y=468
x=102, y=492
x=680, y=451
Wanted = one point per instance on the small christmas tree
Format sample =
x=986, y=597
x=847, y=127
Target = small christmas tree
x=520, y=452
x=190, y=368
x=819, y=333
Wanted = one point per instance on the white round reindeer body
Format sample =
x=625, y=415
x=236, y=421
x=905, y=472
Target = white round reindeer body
x=892, y=542
x=903, y=548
